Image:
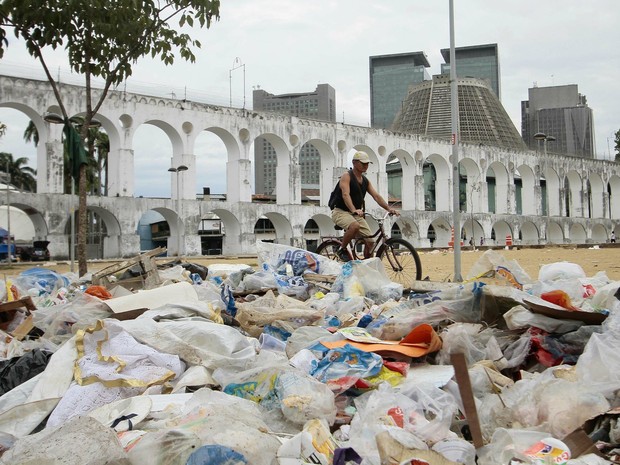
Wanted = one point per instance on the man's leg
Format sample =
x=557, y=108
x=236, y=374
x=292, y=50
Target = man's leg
x=350, y=234
x=368, y=244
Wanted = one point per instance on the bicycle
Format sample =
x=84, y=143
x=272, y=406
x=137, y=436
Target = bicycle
x=400, y=259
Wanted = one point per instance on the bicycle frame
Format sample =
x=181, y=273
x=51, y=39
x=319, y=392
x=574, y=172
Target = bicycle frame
x=379, y=237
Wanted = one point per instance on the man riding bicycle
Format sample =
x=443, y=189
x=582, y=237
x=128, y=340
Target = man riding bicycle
x=348, y=212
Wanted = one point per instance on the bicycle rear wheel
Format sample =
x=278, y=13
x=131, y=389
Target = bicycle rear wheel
x=401, y=261
x=329, y=249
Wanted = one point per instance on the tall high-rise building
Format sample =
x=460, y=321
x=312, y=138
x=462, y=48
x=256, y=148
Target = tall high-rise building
x=561, y=112
x=390, y=77
x=477, y=61
x=319, y=105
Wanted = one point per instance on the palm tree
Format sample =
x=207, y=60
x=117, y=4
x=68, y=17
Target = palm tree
x=23, y=177
x=31, y=134
x=98, y=161
x=2, y=129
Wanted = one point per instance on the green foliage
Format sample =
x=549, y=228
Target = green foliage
x=105, y=38
x=617, y=145
x=22, y=176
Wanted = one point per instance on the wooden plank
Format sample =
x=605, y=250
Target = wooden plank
x=471, y=414
x=24, y=302
x=140, y=259
x=23, y=329
x=319, y=278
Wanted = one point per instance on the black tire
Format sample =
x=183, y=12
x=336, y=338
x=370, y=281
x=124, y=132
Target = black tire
x=328, y=249
x=401, y=261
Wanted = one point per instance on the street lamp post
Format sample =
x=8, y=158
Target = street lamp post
x=55, y=118
x=236, y=65
x=541, y=136
x=179, y=169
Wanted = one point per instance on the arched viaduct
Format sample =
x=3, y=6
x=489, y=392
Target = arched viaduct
x=503, y=195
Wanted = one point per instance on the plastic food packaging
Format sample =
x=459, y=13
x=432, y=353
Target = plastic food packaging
x=548, y=451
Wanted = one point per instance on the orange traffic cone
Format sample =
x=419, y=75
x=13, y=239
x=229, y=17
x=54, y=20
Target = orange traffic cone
x=508, y=240
x=451, y=241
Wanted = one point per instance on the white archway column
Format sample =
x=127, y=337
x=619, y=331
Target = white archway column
x=50, y=162
x=120, y=173
x=511, y=203
x=443, y=191
x=605, y=204
x=288, y=179
x=418, y=193
x=239, y=175
x=484, y=197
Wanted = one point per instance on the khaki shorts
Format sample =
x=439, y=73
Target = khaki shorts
x=344, y=219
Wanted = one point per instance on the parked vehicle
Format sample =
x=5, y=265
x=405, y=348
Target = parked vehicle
x=38, y=252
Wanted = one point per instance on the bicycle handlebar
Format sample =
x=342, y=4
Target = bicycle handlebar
x=378, y=219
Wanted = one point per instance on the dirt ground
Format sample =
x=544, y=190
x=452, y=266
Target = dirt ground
x=438, y=265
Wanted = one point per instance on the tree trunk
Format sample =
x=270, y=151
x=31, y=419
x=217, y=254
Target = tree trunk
x=82, y=223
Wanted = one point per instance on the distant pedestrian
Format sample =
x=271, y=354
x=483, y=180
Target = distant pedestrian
x=481, y=240
x=612, y=238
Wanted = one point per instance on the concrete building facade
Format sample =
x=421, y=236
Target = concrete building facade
x=582, y=195
x=318, y=105
x=482, y=118
x=561, y=112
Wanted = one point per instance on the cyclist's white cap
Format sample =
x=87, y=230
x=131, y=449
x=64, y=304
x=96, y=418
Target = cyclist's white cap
x=362, y=157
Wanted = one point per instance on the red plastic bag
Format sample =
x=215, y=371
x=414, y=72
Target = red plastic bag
x=560, y=298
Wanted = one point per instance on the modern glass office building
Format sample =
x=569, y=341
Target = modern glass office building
x=318, y=105
x=390, y=78
x=562, y=113
x=476, y=61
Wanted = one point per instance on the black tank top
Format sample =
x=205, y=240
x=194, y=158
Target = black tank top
x=357, y=192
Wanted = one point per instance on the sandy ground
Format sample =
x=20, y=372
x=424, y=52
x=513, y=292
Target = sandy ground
x=438, y=265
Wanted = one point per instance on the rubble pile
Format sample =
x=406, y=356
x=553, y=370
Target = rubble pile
x=307, y=361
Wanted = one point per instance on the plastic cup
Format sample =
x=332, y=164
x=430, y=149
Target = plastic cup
x=268, y=342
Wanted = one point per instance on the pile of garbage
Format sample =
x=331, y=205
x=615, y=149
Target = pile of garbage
x=308, y=361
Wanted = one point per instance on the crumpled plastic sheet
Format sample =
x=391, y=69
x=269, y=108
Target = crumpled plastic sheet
x=112, y=365
x=461, y=304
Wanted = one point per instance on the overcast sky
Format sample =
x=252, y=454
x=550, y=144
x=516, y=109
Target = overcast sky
x=291, y=46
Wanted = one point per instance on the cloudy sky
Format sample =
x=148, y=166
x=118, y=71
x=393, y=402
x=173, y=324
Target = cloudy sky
x=291, y=46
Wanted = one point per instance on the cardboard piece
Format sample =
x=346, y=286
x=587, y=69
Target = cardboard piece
x=542, y=307
x=392, y=451
x=153, y=298
x=580, y=443
x=420, y=341
x=8, y=311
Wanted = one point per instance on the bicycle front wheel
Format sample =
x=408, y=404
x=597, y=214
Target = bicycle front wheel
x=329, y=249
x=401, y=261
